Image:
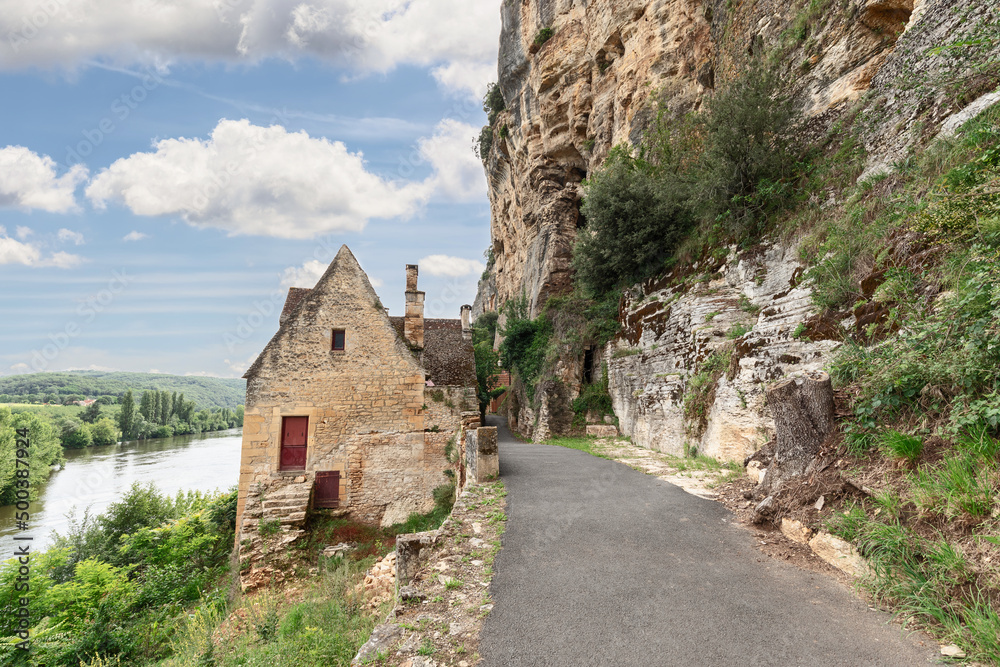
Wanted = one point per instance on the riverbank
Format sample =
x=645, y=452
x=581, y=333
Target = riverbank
x=95, y=477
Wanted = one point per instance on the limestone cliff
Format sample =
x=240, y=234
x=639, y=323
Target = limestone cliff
x=898, y=69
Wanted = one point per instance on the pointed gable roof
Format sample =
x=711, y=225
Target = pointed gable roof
x=345, y=263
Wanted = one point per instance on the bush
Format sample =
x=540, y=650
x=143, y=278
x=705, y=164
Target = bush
x=944, y=362
x=78, y=437
x=637, y=213
x=525, y=344
x=749, y=161
x=544, y=35
x=593, y=398
x=493, y=102
x=104, y=432
x=485, y=143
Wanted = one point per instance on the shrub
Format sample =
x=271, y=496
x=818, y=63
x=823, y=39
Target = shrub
x=593, y=397
x=943, y=362
x=636, y=214
x=485, y=143
x=700, y=391
x=544, y=35
x=78, y=437
x=749, y=161
x=493, y=102
x=104, y=432
x=525, y=343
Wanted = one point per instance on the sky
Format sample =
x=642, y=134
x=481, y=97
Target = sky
x=168, y=168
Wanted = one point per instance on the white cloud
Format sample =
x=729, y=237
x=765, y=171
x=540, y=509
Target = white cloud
x=92, y=367
x=69, y=236
x=458, y=173
x=134, y=236
x=62, y=260
x=266, y=181
x=303, y=276
x=470, y=78
x=453, y=267
x=249, y=179
x=240, y=366
x=29, y=180
x=13, y=251
x=20, y=368
x=366, y=35
x=22, y=232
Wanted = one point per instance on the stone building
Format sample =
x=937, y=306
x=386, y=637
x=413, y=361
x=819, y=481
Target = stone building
x=349, y=408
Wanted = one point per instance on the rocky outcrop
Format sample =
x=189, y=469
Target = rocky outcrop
x=674, y=325
x=895, y=69
x=569, y=100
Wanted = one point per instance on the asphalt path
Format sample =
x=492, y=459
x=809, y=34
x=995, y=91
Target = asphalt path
x=604, y=565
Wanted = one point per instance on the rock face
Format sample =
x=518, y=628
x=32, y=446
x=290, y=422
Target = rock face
x=671, y=330
x=890, y=67
x=569, y=101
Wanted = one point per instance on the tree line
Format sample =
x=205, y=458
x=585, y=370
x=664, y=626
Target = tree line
x=161, y=414
x=58, y=388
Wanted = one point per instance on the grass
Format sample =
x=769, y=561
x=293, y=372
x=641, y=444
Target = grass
x=737, y=330
x=694, y=463
x=327, y=627
x=927, y=579
x=583, y=444
x=901, y=446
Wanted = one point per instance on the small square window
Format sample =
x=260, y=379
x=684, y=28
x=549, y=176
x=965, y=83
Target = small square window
x=339, y=339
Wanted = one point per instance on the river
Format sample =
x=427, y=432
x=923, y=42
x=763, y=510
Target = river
x=98, y=476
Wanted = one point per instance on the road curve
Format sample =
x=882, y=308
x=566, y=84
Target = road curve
x=603, y=565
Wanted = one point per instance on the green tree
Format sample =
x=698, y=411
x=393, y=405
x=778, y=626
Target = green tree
x=44, y=451
x=166, y=407
x=78, y=437
x=91, y=413
x=146, y=406
x=749, y=158
x=487, y=371
x=104, y=432
x=525, y=343
x=637, y=212
x=126, y=417
x=156, y=408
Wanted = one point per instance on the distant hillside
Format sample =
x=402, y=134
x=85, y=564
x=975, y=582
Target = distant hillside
x=204, y=391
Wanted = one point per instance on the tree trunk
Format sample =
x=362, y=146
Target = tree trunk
x=803, y=418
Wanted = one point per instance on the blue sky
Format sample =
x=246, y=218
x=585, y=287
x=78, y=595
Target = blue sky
x=169, y=167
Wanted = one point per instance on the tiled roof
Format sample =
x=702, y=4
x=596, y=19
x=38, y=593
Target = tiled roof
x=448, y=358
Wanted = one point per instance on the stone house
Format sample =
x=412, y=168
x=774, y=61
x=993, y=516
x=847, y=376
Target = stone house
x=348, y=408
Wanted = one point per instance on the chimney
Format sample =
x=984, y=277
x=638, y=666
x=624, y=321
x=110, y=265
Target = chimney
x=466, y=317
x=413, y=324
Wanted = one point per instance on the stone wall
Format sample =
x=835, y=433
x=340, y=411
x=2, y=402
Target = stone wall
x=482, y=457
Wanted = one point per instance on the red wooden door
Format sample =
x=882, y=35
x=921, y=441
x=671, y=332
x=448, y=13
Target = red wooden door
x=293, y=442
x=327, y=489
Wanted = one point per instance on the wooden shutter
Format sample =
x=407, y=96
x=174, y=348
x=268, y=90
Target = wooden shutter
x=327, y=487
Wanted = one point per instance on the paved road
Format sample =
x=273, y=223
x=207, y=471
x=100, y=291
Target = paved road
x=603, y=565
